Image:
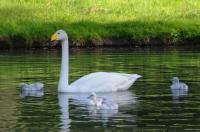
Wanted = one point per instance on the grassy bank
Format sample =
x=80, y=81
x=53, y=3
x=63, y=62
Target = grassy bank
x=96, y=19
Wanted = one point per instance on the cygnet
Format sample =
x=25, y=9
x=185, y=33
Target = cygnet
x=32, y=87
x=109, y=106
x=94, y=100
x=176, y=84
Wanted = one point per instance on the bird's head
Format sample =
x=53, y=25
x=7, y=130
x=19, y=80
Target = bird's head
x=175, y=80
x=59, y=35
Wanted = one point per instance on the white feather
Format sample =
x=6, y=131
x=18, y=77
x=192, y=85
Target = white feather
x=103, y=82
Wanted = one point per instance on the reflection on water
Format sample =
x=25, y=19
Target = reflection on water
x=149, y=105
x=63, y=101
x=81, y=101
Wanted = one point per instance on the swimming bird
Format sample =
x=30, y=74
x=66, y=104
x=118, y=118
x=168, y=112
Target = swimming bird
x=93, y=82
x=177, y=85
x=108, y=106
x=31, y=87
x=31, y=93
x=94, y=100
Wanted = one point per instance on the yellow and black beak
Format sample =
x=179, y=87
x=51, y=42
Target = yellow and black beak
x=53, y=37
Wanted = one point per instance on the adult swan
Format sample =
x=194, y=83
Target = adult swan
x=94, y=82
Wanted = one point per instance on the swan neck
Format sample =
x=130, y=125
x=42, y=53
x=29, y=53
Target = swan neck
x=63, y=82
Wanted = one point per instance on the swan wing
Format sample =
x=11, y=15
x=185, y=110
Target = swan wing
x=103, y=82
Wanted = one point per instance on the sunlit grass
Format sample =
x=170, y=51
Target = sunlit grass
x=101, y=18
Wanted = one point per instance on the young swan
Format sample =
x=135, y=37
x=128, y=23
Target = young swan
x=94, y=100
x=109, y=106
x=31, y=87
x=177, y=85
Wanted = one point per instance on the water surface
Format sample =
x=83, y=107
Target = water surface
x=149, y=105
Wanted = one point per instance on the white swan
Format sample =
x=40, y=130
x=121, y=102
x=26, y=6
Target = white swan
x=177, y=85
x=31, y=87
x=94, y=82
x=108, y=106
x=94, y=100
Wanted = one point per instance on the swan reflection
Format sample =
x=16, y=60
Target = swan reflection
x=63, y=101
x=123, y=99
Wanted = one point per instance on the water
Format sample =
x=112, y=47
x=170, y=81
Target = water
x=149, y=105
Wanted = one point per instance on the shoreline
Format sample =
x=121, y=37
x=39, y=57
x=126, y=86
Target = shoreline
x=43, y=42
x=135, y=23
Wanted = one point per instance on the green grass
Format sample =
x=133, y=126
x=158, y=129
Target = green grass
x=84, y=19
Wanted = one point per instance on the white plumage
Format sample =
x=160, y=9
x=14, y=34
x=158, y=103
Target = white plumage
x=31, y=93
x=94, y=100
x=94, y=82
x=108, y=106
x=103, y=82
x=31, y=87
x=177, y=85
x=101, y=103
x=178, y=89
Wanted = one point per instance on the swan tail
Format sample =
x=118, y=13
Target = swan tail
x=136, y=76
x=126, y=86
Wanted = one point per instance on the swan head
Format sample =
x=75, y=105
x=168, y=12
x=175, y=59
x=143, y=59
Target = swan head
x=59, y=35
x=175, y=80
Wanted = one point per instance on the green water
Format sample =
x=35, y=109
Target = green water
x=149, y=105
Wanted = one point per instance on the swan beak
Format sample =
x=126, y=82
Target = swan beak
x=53, y=37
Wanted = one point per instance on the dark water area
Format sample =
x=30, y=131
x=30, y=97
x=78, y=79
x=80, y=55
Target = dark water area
x=149, y=105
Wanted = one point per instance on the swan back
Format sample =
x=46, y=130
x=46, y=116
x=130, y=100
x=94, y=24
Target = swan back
x=103, y=82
